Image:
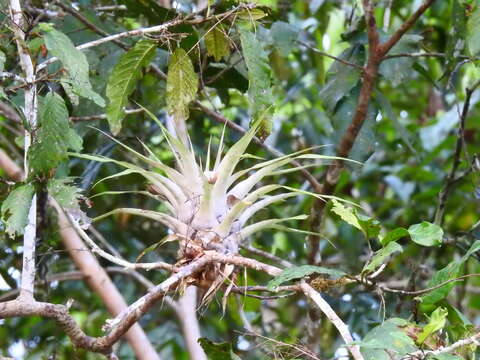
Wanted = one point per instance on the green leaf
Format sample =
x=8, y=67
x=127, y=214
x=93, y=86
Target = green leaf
x=217, y=351
x=54, y=136
x=3, y=58
x=251, y=14
x=387, y=341
x=368, y=226
x=342, y=78
x=217, y=42
x=66, y=195
x=182, y=85
x=394, y=235
x=380, y=256
x=347, y=214
x=451, y=271
x=123, y=78
x=473, y=31
x=437, y=322
x=284, y=37
x=260, y=93
x=426, y=234
x=76, y=81
x=15, y=207
x=300, y=272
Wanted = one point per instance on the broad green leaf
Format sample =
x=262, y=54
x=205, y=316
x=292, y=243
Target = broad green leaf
x=15, y=207
x=123, y=78
x=76, y=81
x=217, y=42
x=284, y=37
x=387, y=341
x=347, y=214
x=217, y=351
x=473, y=31
x=426, y=234
x=2, y=60
x=182, y=85
x=394, y=235
x=451, y=271
x=380, y=256
x=342, y=78
x=66, y=195
x=54, y=136
x=437, y=322
x=300, y=272
x=260, y=93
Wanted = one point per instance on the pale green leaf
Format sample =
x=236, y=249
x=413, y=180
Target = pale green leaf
x=15, y=207
x=123, y=78
x=381, y=255
x=473, y=31
x=76, y=81
x=437, y=322
x=426, y=234
x=54, y=136
x=66, y=195
x=347, y=214
x=299, y=272
x=182, y=85
x=259, y=81
x=387, y=341
x=217, y=42
x=251, y=14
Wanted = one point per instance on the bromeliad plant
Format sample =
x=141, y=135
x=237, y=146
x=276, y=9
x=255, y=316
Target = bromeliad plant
x=209, y=204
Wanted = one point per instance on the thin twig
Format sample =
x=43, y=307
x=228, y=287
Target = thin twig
x=103, y=116
x=451, y=177
x=318, y=51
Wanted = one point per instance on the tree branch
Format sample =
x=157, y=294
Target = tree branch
x=334, y=319
x=451, y=179
x=385, y=47
x=30, y=110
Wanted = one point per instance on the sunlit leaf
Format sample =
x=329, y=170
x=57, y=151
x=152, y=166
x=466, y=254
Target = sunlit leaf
x=182, y=85
x=473, y=31
x=436, y=322
x=217, y=42
x=426, y=234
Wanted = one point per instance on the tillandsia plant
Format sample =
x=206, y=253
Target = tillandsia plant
x=209, y=205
